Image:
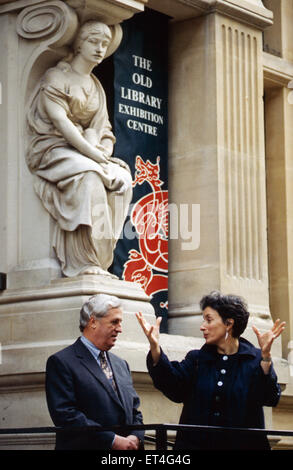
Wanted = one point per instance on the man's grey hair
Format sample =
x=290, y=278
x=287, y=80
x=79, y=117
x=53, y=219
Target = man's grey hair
x=97, y=306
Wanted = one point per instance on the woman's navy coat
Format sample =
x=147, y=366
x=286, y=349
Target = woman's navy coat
x=192, y=382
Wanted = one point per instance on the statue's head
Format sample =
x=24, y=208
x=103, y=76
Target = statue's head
x=96, y=30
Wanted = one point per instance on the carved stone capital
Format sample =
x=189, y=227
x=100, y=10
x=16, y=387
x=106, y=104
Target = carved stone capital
x=49, y=20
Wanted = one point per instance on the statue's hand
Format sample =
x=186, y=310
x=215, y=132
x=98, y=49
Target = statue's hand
x=96, y=153
x=98, y=156
x=120, y=163
x=121, y=185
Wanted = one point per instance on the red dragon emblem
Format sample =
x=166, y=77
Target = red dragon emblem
x=149, y=216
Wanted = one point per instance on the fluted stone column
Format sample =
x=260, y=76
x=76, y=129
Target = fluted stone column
x=278, y=96
x=217, y=158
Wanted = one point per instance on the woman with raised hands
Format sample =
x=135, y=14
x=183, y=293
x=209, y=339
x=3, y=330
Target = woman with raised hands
x=226, y=383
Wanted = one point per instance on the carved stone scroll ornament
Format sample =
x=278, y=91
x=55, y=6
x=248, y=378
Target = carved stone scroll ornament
x=85, y=189
x=53, y=20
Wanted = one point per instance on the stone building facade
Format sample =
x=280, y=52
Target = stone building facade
x=230, y=151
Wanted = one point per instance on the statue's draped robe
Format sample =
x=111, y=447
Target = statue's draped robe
x=79, y=193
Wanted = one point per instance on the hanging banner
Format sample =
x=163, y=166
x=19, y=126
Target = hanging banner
x=140, y=126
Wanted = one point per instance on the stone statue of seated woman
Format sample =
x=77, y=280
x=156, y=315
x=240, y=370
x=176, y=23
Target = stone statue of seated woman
x=85, y=189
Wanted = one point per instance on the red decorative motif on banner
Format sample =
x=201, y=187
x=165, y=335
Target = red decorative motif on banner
x=149, y=216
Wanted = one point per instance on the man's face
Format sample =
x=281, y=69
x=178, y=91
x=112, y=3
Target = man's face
x=107, y=329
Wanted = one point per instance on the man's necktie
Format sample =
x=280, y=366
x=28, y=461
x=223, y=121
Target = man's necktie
x=107, y=370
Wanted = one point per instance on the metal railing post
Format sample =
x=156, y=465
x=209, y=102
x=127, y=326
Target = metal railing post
x=161, y=438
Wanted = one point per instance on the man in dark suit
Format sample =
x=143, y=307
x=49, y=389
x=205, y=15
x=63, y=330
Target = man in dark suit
x=84, y=388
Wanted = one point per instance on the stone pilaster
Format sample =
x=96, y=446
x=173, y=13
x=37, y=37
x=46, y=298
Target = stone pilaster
x=217, y=158
x=278, y=75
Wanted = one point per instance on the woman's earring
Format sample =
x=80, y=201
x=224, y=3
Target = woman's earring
x=226, y=335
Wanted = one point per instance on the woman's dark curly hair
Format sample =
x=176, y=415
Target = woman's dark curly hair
x=228, y=306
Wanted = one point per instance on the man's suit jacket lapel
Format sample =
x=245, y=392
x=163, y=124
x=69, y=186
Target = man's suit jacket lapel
x=88, y=361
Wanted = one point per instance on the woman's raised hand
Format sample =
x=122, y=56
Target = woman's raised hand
x=266, y=339
x=152, y=333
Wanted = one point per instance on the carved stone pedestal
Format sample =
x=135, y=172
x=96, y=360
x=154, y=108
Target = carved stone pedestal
x=37, y=322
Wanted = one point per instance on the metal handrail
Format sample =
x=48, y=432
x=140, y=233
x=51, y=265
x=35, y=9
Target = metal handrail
x=160, y=430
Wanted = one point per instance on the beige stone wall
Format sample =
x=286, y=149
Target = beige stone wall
x=227, y=153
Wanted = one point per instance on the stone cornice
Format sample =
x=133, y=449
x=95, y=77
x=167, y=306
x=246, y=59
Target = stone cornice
x=114, y=11
x=22, y=382
x=68, y=287
x=244, y=10
x=277, y=71
x=109, y=11
x=248, y=11
x=16, y=5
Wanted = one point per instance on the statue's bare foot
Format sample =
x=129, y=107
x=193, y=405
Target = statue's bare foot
x=98, y=270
